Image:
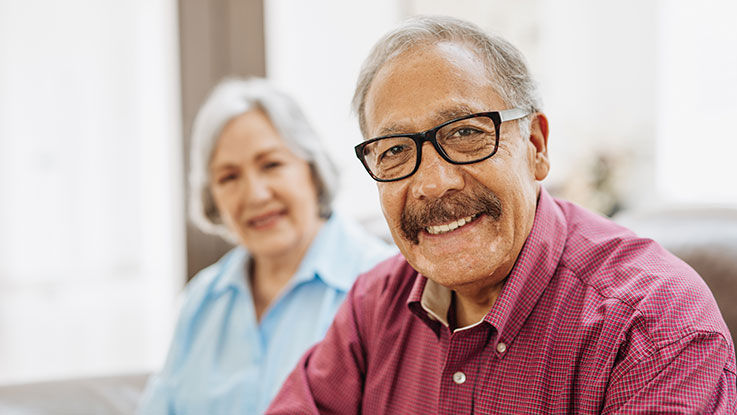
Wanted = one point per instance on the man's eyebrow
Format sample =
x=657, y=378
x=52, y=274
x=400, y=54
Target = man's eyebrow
x=391, y=129
x=457, y=111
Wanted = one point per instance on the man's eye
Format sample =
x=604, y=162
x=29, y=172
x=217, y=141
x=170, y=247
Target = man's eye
x=394, y=150
x=467, y=132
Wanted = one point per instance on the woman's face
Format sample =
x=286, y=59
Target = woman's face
x=264, y=192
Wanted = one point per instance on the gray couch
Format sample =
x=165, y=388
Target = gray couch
x=115, y=395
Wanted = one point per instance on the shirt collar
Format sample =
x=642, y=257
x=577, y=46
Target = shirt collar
x=232, y=271
x=319, y=261
x=435, y=300
x=529, y=277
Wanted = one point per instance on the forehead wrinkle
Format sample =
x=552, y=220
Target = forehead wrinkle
x=269, y=151
x=231, y=159
x=456, y=111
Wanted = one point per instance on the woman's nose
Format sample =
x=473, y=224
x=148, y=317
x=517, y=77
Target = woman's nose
x=256, y=190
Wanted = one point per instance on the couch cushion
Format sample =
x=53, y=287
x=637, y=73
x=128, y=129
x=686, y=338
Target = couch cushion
x=111, y=395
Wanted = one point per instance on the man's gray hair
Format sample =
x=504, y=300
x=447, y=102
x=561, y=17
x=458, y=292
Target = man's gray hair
x=506, y=65
x=229, y=99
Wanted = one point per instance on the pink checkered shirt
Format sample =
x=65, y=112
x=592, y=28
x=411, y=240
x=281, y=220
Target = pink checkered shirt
x=592, y=319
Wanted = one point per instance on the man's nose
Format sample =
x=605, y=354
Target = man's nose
x=435, y=177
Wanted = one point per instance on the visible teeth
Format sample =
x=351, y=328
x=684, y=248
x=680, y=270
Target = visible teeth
x=435, y=230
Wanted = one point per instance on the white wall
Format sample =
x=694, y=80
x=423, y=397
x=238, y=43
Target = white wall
x=697, y=101
x=314, y=50
x=91, y=249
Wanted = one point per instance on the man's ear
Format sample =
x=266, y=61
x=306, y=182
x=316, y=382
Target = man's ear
x=539, y=140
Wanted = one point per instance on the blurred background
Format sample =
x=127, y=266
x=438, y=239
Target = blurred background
x=97, y=99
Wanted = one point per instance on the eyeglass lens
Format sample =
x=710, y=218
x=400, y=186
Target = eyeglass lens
x=462, y=141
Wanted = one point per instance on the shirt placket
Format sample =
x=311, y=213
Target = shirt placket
x=461, y=373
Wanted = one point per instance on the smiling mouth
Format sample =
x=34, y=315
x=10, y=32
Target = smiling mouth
x=448, y=227
x=449, y=212
x=265, y=220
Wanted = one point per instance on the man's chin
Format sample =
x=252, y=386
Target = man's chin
x=455, y=264
x=457, y=280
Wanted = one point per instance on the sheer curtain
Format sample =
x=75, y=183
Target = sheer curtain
x=91, y=253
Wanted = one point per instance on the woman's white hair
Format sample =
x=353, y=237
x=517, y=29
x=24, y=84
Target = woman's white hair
x=506, y=65
x=229, y=99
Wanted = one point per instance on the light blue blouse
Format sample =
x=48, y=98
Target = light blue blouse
x=222, y=360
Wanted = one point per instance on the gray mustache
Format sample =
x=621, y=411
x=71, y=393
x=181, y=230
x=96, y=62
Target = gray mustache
x=416, y=218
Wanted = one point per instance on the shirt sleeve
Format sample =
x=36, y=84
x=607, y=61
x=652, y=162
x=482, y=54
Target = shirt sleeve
x=329, y=377
x=156, y=398
x=685, y=377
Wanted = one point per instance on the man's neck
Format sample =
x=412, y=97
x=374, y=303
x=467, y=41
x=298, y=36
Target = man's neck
x=471, y=305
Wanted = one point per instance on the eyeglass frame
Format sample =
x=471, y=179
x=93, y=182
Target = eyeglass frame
x=497, y=117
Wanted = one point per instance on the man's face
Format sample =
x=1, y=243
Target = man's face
x=496, y=198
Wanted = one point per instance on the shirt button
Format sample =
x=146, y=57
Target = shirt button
x=501, y=347
x=459, y=377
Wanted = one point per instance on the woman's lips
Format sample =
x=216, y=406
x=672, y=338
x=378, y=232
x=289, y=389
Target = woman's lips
x=266, y=220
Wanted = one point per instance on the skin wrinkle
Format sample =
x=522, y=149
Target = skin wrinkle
x=458, y=111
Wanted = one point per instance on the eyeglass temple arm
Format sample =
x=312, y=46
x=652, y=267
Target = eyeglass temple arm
x=512, y=114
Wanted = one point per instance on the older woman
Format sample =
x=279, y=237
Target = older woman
x=260, y=178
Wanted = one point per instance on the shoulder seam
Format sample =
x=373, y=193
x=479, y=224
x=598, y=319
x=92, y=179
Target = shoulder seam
x=654, y=349
x=597, y=290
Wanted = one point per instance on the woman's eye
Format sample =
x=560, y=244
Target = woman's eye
x=272, y=165
x=227, y=178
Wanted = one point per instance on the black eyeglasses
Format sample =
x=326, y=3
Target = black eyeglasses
x=465, y=140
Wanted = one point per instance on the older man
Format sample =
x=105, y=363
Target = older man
x=504, y=300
